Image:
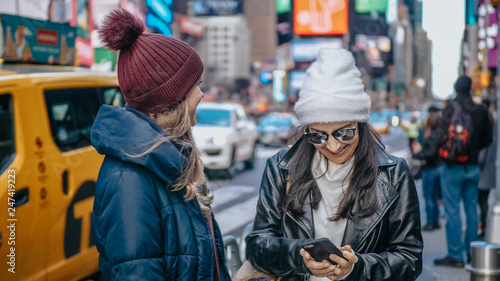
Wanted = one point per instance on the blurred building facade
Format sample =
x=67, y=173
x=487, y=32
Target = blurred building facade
x=227, y=47
x=241, y=40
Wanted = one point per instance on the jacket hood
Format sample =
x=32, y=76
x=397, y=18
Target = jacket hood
x=117, y=132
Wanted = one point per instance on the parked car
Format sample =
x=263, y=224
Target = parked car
x=49, y=169
x=276, y=128
x=225, y=136
x=381, y=121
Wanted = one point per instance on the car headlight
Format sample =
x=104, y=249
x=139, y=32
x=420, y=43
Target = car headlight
x=395, y=121
x=219, y=139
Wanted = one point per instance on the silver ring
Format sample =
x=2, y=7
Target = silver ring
x=332, y=273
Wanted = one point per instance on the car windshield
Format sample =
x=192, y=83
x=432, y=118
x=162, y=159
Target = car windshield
x=276, y=121
x=213, y=117
x=7, y=146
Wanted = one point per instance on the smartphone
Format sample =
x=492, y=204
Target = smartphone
x=321, y=249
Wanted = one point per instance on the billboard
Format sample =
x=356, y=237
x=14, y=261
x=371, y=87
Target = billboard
x=488, y=36
x=307, y=49
x=283, y=6
x=83, y=21
x=296, y=78
x=373, y=53
x=367, y=6
x=217, y=7
x=323, y=17
x=37, y=41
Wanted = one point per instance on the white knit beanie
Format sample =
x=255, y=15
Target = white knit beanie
x=333, y=91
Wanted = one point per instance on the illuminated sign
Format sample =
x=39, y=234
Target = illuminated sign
x=278, y=94
x=367, y=6
x=266, y=77
x=307, y=49
x=320, y=17
x=297, y=77
x=283, y=6
x=217, y=7
x=160, y=15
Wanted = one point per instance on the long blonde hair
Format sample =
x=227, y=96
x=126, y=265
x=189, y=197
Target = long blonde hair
x=177, y=122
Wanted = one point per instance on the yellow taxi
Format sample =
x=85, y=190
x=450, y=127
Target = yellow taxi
x=48, y=169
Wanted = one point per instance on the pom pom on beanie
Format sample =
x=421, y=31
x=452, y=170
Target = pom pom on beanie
x=121, y=30
x=155, y=72
x=333, y=91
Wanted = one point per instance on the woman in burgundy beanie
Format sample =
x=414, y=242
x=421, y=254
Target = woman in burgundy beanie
x=152, y=218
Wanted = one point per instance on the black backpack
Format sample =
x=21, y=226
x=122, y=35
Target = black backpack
x=457, y=147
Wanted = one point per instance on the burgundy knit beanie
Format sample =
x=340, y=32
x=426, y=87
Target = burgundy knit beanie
x=154, y=71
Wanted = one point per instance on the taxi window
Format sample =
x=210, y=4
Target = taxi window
x=7, y=144
x=73, y=110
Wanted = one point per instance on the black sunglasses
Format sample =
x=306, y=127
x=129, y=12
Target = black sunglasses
x=343, y=135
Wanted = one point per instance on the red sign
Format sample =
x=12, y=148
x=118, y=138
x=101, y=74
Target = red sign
x=85, y=52
x=191, y=27
x=46, y=37
x=320, y=17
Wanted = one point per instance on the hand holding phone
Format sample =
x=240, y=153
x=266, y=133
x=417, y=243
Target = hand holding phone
x=321, y=249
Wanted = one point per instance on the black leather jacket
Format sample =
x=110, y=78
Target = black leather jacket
x=388, y=244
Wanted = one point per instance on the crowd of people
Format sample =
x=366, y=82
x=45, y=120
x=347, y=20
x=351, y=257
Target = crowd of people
x=458, y=151
x=152, y=218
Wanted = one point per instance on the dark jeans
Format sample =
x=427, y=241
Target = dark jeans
x=430, y=187
x=460, y=183
x=482, y=199
x=410, y=143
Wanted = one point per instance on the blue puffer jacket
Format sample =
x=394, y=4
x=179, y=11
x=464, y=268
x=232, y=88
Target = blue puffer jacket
x=143, y=230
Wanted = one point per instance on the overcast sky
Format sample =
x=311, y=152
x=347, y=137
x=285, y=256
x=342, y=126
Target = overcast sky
x=444, y=22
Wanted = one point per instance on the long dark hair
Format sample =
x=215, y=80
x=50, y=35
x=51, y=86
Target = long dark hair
x=361, y=188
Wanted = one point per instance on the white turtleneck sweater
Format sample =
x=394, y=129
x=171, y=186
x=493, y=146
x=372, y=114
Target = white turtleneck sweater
x=332, y=186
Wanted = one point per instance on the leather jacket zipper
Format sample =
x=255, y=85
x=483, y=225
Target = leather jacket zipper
x=301, y=225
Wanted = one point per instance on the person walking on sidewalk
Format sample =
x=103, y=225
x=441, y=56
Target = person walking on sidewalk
x=412, y=131
x=427, y=151
x=152, y=218
x=487, y=180
x=336, y=182
x=465, y=130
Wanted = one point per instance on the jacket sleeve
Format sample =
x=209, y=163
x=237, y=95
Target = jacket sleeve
x=487, y=131
x=430, y=147
x=128, y=227
x=266, y=244
x=402, y=257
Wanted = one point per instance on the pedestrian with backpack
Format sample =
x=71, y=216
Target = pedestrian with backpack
x=465, y=130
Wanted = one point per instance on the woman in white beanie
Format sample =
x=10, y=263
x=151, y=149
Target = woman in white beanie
x=336, y=182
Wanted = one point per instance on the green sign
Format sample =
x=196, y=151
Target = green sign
x=104, y=59
x=367, y=6
x=283, y=6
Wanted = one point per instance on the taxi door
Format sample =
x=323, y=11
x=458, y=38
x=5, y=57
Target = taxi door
x=70, y=112
x=24, y=212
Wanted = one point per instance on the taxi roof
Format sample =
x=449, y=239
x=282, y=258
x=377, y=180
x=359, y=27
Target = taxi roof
x=10, y=68
x=11, y=71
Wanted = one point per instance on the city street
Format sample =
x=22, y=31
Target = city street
x=235, y=201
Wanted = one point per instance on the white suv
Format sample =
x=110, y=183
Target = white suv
x=225, y=136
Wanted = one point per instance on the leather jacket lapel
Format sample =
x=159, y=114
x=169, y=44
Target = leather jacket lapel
x=358, y=229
